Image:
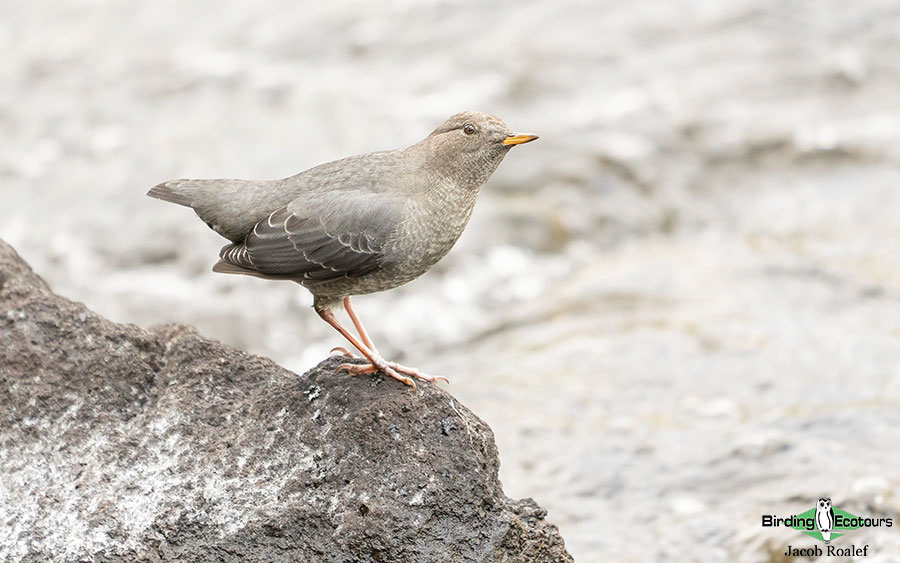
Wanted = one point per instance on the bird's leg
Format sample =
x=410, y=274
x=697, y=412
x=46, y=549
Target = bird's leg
x=375, y=362
x=358, y=324
x=413, y=372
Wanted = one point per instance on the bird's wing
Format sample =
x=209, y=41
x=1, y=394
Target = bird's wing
x=333, y=237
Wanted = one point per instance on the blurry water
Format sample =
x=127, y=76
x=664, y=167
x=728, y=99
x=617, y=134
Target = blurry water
x=678, y=310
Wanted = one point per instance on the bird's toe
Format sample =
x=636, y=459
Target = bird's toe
x=356, y=369
x=343, y=351
x=418, y=374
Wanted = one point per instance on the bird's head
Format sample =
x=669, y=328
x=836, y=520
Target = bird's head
x=470, y=145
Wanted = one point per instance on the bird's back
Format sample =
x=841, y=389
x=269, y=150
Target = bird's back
x=232, y=207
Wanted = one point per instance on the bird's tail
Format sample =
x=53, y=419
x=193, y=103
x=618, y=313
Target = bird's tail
x=175, y=191
x=229, y=207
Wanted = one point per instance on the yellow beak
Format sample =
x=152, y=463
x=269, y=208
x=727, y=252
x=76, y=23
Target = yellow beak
x=519, y=139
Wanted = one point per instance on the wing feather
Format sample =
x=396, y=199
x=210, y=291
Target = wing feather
x=294, y=243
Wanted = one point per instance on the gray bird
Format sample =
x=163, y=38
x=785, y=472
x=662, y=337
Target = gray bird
x=358, y=225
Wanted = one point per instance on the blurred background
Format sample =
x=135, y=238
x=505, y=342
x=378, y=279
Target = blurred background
x=679, y=309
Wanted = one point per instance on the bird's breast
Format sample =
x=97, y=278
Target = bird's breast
x=432, y=226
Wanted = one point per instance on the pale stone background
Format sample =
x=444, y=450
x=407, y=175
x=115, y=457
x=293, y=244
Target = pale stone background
x=679, y=309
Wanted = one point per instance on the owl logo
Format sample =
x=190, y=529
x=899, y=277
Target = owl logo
x=825, y=518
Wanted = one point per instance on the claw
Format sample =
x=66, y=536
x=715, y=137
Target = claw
x=399, y=377
x=343, y=351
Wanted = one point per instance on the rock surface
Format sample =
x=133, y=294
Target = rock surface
x=120, y=444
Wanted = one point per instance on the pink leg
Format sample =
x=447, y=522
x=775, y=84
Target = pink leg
x=376, y=363
x=368, y=342
x=358, y=324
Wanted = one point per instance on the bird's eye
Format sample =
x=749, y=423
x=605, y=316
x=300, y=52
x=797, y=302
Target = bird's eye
x=469, y=129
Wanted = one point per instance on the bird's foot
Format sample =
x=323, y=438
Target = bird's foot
x=382, y=366
x=393, y=369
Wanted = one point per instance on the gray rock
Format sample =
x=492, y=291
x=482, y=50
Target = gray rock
x=124, y=444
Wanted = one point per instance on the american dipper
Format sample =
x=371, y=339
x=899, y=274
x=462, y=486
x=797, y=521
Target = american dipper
x=358, y=225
